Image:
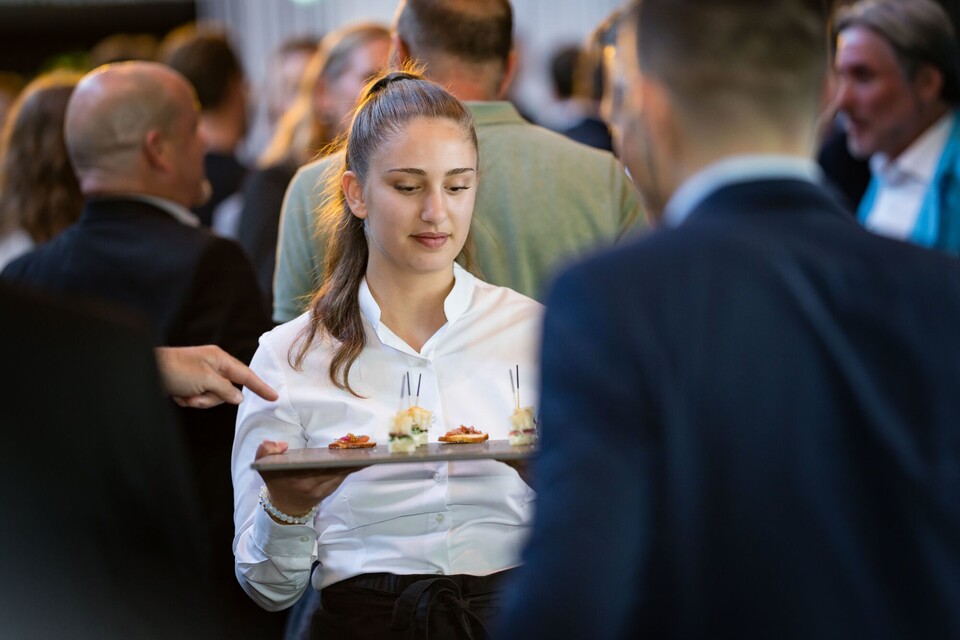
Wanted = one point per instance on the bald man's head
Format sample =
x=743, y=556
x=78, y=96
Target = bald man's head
x=128, y=127
x=114, y=107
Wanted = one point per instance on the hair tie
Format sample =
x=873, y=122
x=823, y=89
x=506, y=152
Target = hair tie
x=391, y=77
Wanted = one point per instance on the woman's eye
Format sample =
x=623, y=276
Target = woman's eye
x=404, y=188
x=457, y=188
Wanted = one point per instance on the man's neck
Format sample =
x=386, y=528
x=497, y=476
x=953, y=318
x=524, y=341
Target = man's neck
x=467, y=82
x=797, y=142
x=103, y=185
x=927, y=120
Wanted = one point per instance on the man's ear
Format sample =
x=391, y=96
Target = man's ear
x=399, y=51
x=650, y=97
x=353, y=194
x=155, y=150
x=509, y=70
x=928, y=82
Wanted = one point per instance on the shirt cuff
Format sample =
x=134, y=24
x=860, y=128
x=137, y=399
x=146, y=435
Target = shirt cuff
x=283, y=540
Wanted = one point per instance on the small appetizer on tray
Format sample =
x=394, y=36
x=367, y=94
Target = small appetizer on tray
x=415, y=421
x=464, y=435
x=351, y=441
x=401, y=443
x=410, y=424
x=523, y=427
x=401, y=437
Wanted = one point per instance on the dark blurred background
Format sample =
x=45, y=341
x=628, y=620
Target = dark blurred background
x=37, y=35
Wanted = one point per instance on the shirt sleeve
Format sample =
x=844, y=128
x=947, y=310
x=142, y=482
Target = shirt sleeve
x=273, y=561
x=299, y=262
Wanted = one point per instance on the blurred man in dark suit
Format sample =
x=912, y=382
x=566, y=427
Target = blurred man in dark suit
x=133, y=138
x=751, y=425
x=107, y=538
x=103, y=534
x=132, y=134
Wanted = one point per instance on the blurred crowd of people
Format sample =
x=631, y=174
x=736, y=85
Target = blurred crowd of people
x=720, y=238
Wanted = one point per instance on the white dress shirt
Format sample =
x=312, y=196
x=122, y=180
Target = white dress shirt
x=413, y=518
x=902, y=183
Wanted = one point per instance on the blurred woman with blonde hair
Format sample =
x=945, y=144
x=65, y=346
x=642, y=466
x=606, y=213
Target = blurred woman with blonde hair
x=346, y=59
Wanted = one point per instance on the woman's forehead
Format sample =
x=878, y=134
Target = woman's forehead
x=428, y=140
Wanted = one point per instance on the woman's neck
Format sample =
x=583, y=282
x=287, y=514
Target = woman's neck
x=411, y=305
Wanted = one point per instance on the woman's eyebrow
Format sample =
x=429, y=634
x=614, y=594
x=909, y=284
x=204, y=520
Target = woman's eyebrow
x=421, y=172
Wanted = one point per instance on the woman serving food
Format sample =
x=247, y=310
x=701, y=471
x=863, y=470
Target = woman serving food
x=393, y=543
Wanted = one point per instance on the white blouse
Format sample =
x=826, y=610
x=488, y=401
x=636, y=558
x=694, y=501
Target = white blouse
x=412, y=518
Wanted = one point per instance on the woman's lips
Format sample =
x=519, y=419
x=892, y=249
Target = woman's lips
x=432, y=240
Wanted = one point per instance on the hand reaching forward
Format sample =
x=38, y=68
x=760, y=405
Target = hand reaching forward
x=296, y=492
x=203, y=377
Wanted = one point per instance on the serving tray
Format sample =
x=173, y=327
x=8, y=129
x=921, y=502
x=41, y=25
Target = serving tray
x=324, y=458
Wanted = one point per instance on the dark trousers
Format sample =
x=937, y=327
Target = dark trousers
x=383, y=606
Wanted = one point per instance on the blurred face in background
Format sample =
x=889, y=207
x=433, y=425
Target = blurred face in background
x=335, y=98
x=882, y=109
x=284, y=82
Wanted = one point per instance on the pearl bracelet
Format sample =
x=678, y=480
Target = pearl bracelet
x=280, y=515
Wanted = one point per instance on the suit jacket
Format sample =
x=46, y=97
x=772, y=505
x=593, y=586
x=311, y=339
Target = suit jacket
x=101, y=535
x=751, y=428
x=192, y=286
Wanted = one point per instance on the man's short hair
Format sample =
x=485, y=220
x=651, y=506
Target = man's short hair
x=919, y=31
x=472, y=30
x=206, y=58
x=721, y=57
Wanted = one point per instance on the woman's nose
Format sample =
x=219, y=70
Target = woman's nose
x=434, y=208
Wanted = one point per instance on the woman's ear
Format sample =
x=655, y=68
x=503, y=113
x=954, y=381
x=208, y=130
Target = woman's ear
x=353, y=194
